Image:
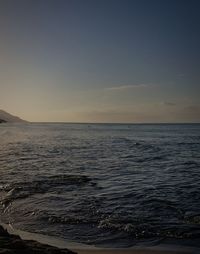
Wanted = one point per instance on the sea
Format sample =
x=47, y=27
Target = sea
x=106, y=185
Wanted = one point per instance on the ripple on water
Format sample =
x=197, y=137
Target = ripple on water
x=102, y=184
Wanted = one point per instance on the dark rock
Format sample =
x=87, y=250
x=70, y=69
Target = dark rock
x=2, y=121
x=3, y=232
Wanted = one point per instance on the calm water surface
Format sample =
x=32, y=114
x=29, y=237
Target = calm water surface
x=107, y=185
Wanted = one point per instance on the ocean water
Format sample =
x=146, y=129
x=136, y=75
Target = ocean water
x=107, y=185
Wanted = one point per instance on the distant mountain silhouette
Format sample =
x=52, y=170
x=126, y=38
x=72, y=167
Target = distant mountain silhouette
x=6, y=117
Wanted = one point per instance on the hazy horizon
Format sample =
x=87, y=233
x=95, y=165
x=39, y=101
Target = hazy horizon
x=100, y=61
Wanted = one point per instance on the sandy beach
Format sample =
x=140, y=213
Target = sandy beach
x=136, y=251
x=12, y=244
x=15, y=241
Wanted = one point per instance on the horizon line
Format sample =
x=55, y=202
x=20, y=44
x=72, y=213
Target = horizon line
x=122, y=123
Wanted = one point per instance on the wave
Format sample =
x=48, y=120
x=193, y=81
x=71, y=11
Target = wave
x=20, y=190
x=142, y=230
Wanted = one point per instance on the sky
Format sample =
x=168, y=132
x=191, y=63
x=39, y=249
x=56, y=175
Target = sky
x=134, y=61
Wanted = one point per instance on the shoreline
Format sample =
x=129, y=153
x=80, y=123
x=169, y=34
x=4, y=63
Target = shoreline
x=37, y=243
x=14, y=244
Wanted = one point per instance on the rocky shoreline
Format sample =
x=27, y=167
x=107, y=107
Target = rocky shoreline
x=12, y=244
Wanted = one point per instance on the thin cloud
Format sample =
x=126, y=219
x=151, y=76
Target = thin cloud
x=192, y=109
x=125, y=87
x=169, y=103
x=180, y=75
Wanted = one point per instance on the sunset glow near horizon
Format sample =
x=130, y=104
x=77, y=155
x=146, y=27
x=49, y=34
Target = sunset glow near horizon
x=100, y=60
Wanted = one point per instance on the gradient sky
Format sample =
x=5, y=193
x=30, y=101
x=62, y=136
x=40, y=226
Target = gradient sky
x=100, y=60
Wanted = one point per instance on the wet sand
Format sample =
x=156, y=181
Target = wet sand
x=135, y=251
x=11, y=243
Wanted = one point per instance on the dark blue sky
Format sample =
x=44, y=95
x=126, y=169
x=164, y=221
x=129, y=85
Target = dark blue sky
x=101, y=60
